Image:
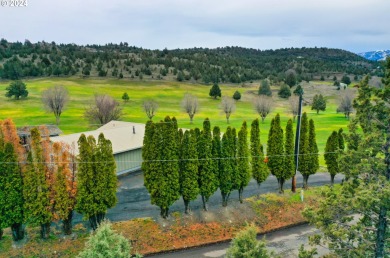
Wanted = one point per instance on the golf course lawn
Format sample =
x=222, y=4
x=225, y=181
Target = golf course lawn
x=168, y=95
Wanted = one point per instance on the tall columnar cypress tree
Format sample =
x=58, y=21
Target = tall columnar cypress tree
x=233, y=160
x=153, y=177
x=243, y=169
x=226, y=172
x=86, y=189
x=311, y=157
x=96, y=189
x=216, y=153
x=208, y=180
x=169, y=188
x=289, y=164
x=11, y=192
x=304, y=160
x=106, y=171
x=259, y=168
x=331, y=155
x=64, y=185
x=341, y=139
x=189, y=188
x=37, y=205
x=275, y=151
x=149, y=153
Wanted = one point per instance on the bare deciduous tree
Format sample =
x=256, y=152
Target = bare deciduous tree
x=54, y=99
x=103, y=110
x=190, y=105
x=294, y=105
x=150, y=107
x=263, y=106
x=346, y=103
x=228, y=106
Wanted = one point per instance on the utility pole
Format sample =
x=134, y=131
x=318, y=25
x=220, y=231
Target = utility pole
x=297, y=137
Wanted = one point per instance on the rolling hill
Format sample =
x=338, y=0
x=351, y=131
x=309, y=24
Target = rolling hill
x=202, y=65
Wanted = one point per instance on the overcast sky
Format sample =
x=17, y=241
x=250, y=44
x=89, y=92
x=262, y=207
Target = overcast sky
x=354, y=25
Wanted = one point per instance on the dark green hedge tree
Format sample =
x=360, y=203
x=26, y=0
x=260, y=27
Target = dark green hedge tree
x=227, y=170
x=275, y=151
x=207, y=167
x=331, y=155
x=37, y=207
x=17, y=89
x=96, y=177
x=244, y=173
x=189, y=188
x=259, y=168
x=11, y=192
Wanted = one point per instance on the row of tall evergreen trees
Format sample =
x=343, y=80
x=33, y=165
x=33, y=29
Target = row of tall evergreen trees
x=198, y=162
x=40, y=186
x=195, y=162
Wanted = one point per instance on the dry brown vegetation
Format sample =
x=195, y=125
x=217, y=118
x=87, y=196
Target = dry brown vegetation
x=268, y=212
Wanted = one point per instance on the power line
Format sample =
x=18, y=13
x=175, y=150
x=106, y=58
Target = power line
x=173, y=160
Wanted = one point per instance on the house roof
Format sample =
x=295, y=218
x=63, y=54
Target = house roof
x=118, y=132
x=26, y=130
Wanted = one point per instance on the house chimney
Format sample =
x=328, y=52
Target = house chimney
x=133, y=129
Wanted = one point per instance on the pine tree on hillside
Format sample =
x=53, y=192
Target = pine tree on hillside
x=259, y=168
x=265, y=89
x=208, y=180
x=244, y=172
x=215, y=91
x=37, y=206
x=331, y=155
x=275, y=151
x=226, y=172
x=189, y=188
x=319, y=103
x=11, y=192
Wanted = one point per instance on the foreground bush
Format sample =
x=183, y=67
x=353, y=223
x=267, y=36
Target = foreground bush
x=105, y=242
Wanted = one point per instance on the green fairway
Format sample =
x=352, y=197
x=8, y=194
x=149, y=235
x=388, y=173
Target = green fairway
x=168, y=95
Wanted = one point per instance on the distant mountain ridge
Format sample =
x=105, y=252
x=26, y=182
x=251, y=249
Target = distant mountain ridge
x=379, y=55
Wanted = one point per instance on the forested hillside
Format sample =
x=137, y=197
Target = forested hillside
x=227, y=64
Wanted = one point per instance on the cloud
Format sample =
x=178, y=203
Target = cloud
x=357, y=25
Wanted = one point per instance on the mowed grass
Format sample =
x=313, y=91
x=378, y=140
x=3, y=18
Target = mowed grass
x=30, y=111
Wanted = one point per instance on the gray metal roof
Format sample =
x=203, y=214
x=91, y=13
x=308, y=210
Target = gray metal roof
x=118, y=132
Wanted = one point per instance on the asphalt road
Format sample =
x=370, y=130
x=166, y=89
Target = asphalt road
x=284, y=243
x=134, y=199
